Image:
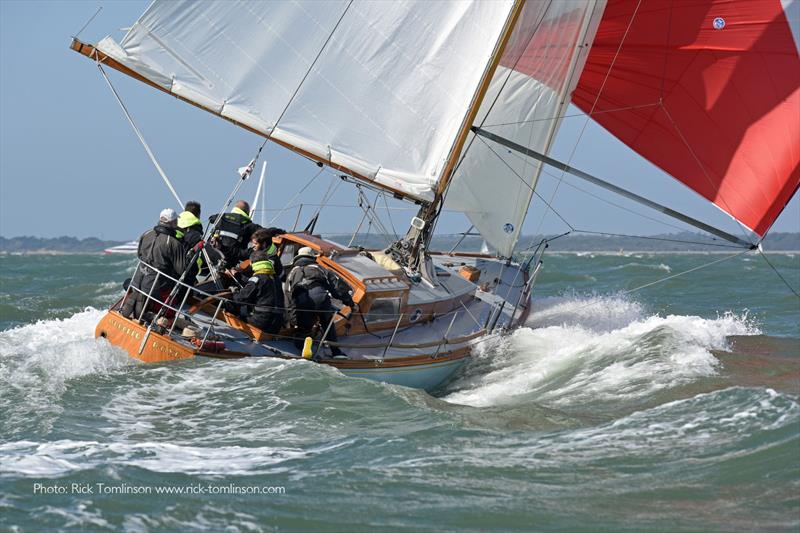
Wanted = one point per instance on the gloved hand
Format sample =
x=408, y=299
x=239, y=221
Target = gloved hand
x=234, y=290
x=199, y=246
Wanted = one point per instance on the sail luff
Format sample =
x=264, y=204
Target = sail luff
x=477, y=100
x=92, y=52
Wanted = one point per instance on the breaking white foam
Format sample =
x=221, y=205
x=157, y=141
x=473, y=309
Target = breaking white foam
x=597, y=349
x=46, y=459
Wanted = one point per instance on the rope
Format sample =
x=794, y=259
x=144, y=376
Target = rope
x=778, y=273
x=139, y=135
x=684, y=272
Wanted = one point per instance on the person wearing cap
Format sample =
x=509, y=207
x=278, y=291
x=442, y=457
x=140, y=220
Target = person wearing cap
x=261, y=299
x=234, y=232
x=163, y=252
x=310, y=287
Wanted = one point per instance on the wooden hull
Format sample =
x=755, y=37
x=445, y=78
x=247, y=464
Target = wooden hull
x=421, y=372
x=129, y=335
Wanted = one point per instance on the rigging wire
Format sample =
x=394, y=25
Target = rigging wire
x=88, y=22
x=629, y=291
x=533, y=190
x=139, y=135
x=572, y=115
x=466, y=149
x=301, y=191
x=785, y=282
x=389, y=216
x=594, y=104
x=745, y=232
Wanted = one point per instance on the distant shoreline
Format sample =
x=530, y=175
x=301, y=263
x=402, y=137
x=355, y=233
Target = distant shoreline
x=575, y=243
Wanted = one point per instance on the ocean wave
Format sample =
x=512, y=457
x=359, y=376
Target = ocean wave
x=594, y=350
x=54, y=458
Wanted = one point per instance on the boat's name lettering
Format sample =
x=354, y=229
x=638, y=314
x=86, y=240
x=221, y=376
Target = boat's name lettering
x=126, y=330
x=165, y=349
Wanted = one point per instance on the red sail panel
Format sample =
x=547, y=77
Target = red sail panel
x=709, y=91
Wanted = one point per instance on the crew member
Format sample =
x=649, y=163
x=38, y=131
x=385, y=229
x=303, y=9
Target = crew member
x=310, y=287
x=262, y=241
x=190, y=228
x=190, y=231
x=261, y=298
x=162, y=252
x=233, y=233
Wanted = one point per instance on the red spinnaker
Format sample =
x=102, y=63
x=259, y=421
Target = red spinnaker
x=709, y=91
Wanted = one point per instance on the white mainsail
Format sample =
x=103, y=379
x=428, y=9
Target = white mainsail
x=494, y=187
x=385, y=98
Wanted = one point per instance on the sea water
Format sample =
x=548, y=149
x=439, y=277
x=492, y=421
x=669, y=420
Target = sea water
x=669, y=408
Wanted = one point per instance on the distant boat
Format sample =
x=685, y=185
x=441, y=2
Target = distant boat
x=127, y=248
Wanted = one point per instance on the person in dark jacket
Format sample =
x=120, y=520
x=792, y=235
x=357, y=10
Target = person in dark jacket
x=233, y=233
x=262, y=241
x=190, y=228
x=190, y=231
x=310, y=287
x=261, y=298
x=162, y=251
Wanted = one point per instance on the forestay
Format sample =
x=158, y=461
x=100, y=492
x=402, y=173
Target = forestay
x=539, y=68
x=385, y=99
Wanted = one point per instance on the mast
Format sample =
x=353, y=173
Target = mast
x=412, y=247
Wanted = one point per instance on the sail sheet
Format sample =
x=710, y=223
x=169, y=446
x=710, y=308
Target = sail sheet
x=540, y=65
x=385, y=98
x=707, y=90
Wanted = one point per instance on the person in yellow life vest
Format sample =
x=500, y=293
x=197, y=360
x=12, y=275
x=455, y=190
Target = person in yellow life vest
x=190, y=228
x=261, y=299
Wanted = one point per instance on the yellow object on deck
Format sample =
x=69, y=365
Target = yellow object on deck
x=307, y=348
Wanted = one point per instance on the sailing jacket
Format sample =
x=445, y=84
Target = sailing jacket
x=160, y=248
x=307, y=278
x=264, y=294
x=233, y=234
x=190, y=229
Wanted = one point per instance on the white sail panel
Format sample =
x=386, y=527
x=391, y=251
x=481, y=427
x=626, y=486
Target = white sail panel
x=540, y=66
x=386, y=97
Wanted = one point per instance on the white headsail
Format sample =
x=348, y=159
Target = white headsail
x=385, y=98
x=492, y=186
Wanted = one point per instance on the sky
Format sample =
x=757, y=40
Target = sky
x=70, y=163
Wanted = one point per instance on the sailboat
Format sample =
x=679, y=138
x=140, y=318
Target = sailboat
x=456, y=104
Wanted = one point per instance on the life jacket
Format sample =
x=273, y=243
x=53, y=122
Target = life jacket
x=231, y=229
x=310, y=276
x=269, y=295
x=187, y=220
